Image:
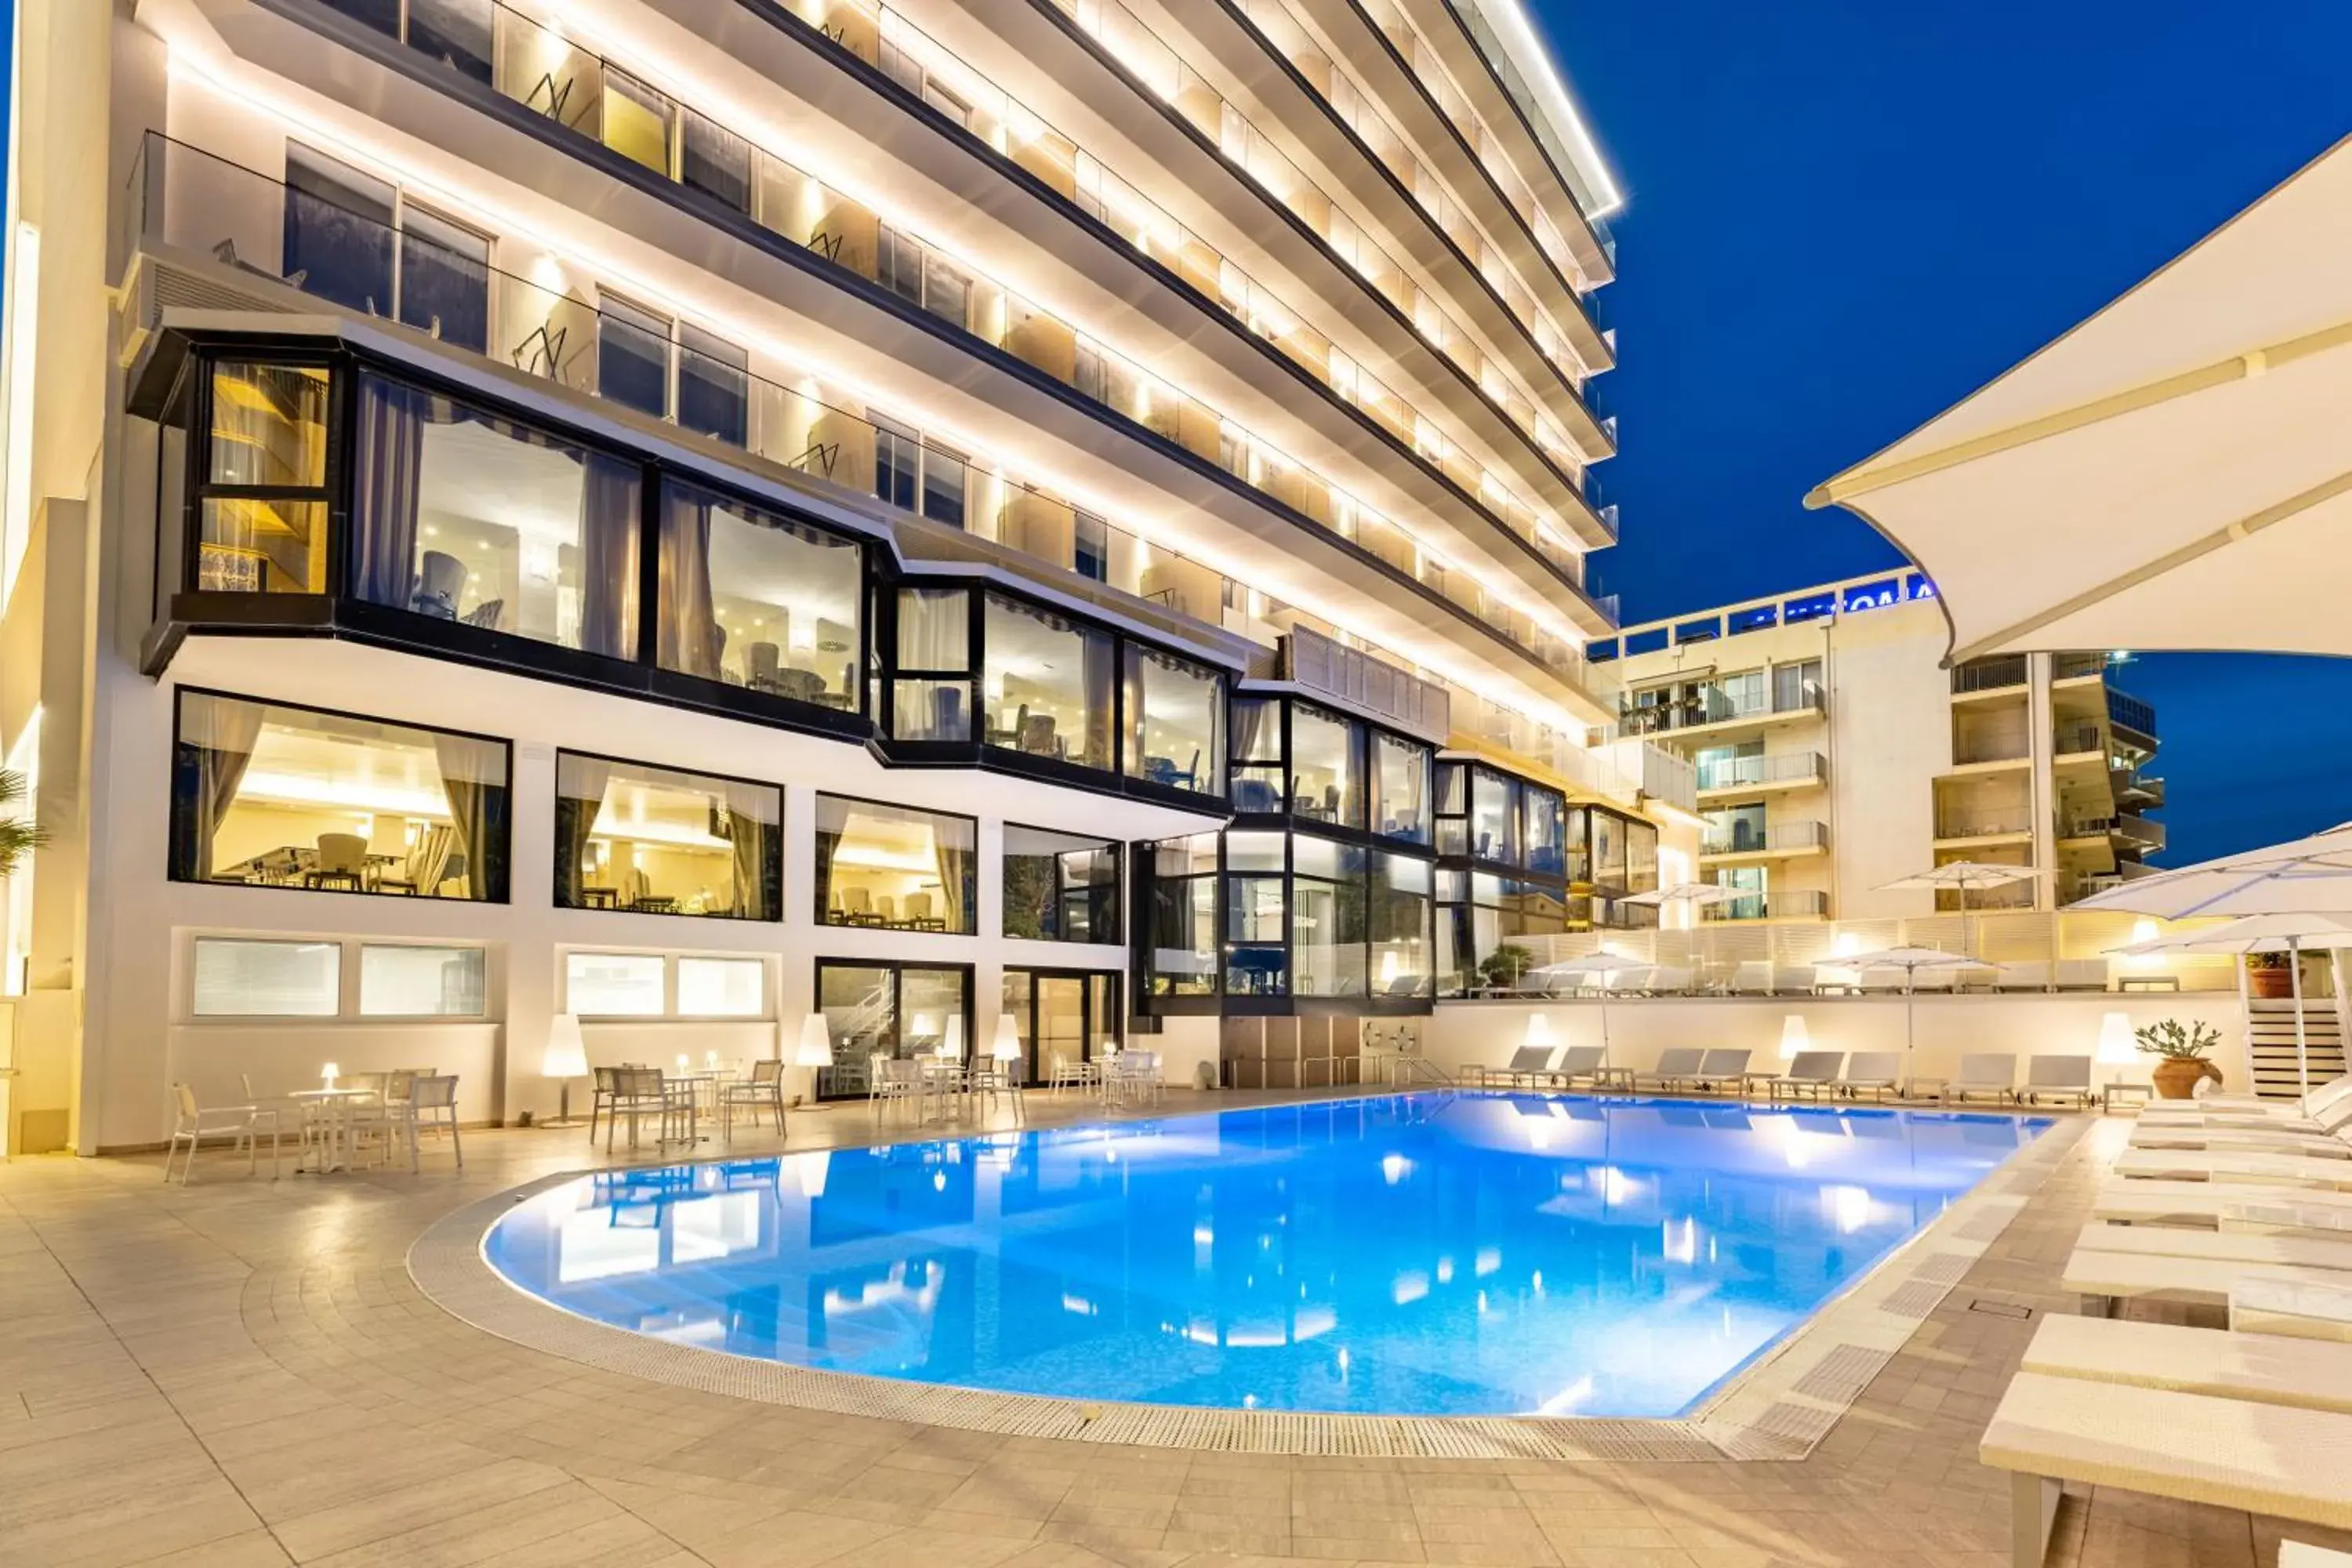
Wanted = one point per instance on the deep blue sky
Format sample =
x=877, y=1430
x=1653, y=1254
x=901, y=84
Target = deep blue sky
x=1846, y=215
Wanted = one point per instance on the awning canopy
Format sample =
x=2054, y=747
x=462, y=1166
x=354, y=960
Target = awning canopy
x=2175, y=473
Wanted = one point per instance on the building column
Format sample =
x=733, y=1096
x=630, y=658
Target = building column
x=2042, y=738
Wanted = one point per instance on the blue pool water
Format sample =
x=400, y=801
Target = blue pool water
x=1434, y=1254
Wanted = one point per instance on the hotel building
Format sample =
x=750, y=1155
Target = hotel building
x=1836, y=755
x=697, y=516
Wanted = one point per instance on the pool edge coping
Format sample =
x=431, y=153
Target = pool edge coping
x=1777, y=1407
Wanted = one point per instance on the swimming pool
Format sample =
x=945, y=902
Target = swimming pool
x=1446, y=1253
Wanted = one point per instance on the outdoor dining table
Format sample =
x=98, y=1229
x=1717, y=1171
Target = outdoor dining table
x=330, y=1110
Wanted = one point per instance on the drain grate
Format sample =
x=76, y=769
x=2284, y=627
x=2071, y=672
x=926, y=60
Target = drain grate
x=2000, y=1309
x=1916, y=1299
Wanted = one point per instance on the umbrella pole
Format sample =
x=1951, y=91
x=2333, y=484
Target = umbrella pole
x=2295, y=989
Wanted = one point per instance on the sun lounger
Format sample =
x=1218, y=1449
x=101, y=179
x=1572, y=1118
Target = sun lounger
x=1527, y=1064
x=2335, y=1090
x=2241, y=1141
x=1584, y=1062
x=1752, y=978
x=1668, y=980
x=2232, y=1169
x=1989, y=1074
x=1677, y=1068
x=2328, y=1120
x=2028, y=975
x=2262, y=1369
x=1723, y=1071
x=1875, y=1073
x=1810, y=1076
x=2239, y=1246
x=1795, y=979
x=2082, y=974
x=2106, y=1279
x=2058, y=1077
x=2241, y=1454
x=2200, y=1203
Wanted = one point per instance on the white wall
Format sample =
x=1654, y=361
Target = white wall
x=1947, y=1027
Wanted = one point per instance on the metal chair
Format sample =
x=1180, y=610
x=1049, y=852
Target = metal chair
x=764, y=1091
x=638, y=1093
x=431, y=1101
x=195, y=1123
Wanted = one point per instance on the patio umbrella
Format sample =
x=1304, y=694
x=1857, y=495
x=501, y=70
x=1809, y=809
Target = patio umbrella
x=2290, y=935
x=1600, y=963
x=1693, y=895
x=1959, y=876
x=2300, y=877
x=2205, y=407
x=1910, y=961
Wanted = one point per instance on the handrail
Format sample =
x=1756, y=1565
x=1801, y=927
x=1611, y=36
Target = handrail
x=1742, y=772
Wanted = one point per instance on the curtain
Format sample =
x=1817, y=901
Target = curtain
x=686, y=626
x=608, y=548
x=389, y=456
x=580, y=786
x=1257, y=731
x=218, y=736
x=430, y=861
x=473, y=802
x=954, y=862
x=1099, y=667
x=752, y=830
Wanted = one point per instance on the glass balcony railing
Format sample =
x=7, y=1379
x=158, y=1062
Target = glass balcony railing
x=1716, y=705
x=2131, y=713
x=193, y=200
x=1779, y=838
x=1982, y=826
x=604, y=103
x=1753, y=772
x=1780, y=904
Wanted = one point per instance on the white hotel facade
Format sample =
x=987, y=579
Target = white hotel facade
x=698, y=514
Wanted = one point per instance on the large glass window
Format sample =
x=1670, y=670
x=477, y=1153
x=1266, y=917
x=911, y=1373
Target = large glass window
x=1257, y=754
x=1454, y=808
x=1182, y=942
x=1543, y=813
x=721, y=987
x=238, y=978
x=656, y=841
x=400, y=981
x=262, y=506
x=1455, y=942
x=1325, y=772
x=879, y=1012
x=268, y=795
x=756, y=600
x=1061, y=1018
x=1059, y=886
x=463, y=516
x=1493, y=816
x=444, y=278
x=1401, y=782
x=1399, y=929
x=615, y=985
x=714, y=385
x=1047, y=681
x=1577, y=844
x=930, y=697
x=892, y=865
x=1327, y=916
x=633, y=356
x=1176, y=722
x=1256, y=918
x=338, y=231
x=1609, y=852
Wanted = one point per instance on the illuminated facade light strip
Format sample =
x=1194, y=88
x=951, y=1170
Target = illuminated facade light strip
x=249, y=87
x=1530, y=53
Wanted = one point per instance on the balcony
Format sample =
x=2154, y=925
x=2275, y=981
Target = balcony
x=1776, y=841
x=2078, y=741
x=2124, y=829
x=1782, y=904
x=1986, y=675
x=2132, y=789
x=1714, y=712
x=1758, y=775
x=2130, y=712
x=1669, y=778
x=1968, y=832
x=2077, y=666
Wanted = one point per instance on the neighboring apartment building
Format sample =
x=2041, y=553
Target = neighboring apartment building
x=1835, y=754
x=702, y=515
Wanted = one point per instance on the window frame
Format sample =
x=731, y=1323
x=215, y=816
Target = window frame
x=197, y=487
x=895, y=968
x=774, y=893
x=670, y=958
x=350, y=968
x=817, y=828
x=1117, y=898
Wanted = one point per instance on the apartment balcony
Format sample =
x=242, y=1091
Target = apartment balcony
x=1781, y=904
x=1716, y=714
x=2074, y=742
x=2122, y=830
x=1983, y=832
x=1973, y=754
x=2068, y=668
x=2128, y=712
x=1776, y=841
x=2133, y=790
x=1986, y=677
x=2017, y=895
x=1788, y=772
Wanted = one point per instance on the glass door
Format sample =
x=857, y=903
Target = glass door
x=874, y=1012
x=1069, y=1013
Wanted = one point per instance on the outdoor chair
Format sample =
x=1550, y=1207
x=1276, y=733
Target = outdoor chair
x=1578, y=1062
x=1677, y=1068
x=243, y=1123
x=2028, y=975
x=1527, y=1064
x=1063, y=1072
x=1722, y=1071
x=1989, y=1074
x=638, y=1093
x=1875, y=1073
x=1752, y=978
x=2058, y=1077
x=1668, y=980
x=431, y=1101
x=763, y=1091
x=1812, y=1075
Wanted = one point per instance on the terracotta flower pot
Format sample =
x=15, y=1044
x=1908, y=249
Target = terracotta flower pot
x=2177, y=1076
x=2270, y=984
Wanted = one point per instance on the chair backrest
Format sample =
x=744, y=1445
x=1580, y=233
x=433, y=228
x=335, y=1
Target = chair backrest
x=2025, y=974
x=1753, y=974
x=183, y=1100
x=918, y=906
x=767, y=1071
x=1988, y=1067
x=1582, y=1058
x=1680, y=1060
x=901, y=1069
x=856, y=901
x=436, y=1093
x=1875, y=1066
x=1634, y=977
x=2327, y=1094
x=341, y=852
x=1797, y=977
x=2082, y=974
x=2058, y=1072
x=1935, y=979
x=1723, y=1064
x=1882, y=977
x=603, y=1079
x=1816, y=1067
x=638, y=1083
x=1669, y=977
x=1530, y=1059
x=397, y=1083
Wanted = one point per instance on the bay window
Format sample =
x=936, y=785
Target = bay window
x=649, y=840
x=757, y=600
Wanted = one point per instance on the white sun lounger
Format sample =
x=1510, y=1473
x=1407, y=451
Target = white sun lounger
x=1677, y=1069
x=2058, y=1077
x=2265, y=1369
x=2334, y=1117
x=2197, y=1203
x=1584, y=1062
x=2106, y=1279
x=2233, y=1453
x=1878, y=1073
x=1723, y=1071
x=2333, y=1090
x=1991, y=1074
x=2213, y=1165
x=1527, y=1064
x=2243, y=1141
x=2239, y=1247
x=1810, y=1076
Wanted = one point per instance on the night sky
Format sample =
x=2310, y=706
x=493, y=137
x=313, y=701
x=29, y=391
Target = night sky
x=1844, y=215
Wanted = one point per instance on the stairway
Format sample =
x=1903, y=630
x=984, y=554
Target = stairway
x=2272, y=1045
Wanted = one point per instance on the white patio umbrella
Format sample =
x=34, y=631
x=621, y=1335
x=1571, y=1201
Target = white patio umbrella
x=2290, y=935
x=1910, y=961
x=1691, y=895
x=1960, y=876
x=2300, y=877
x=2174, y=472
x=1600, y=963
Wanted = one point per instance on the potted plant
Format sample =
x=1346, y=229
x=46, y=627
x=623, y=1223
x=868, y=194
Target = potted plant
x=2183, y=1050
x=1503, y=967
x=2268, y=976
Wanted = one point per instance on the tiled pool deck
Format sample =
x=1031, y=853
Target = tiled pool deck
x=246, y=1372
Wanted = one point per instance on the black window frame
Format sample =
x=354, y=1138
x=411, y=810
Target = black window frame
x=821, y=862
x=895, y=968
x=772, y=872
x=1111, y=902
